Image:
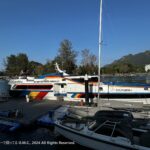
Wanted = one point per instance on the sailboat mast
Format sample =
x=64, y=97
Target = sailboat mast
x=100, y=48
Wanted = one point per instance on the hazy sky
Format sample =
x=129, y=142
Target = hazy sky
x=36, y=27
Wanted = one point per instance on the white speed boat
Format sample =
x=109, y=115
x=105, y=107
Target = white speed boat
x=113, y=130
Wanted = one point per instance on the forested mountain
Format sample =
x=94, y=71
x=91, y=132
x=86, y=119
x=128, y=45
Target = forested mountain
x=129, y=63
x=140, y=59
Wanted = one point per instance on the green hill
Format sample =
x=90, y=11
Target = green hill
x=129, y=63
x=137, y=59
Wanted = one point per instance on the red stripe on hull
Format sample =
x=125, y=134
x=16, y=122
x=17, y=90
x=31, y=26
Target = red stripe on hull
x=41, y=95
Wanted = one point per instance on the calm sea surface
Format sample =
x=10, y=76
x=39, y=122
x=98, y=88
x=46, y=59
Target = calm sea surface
x=36, y=139
x=131, y=78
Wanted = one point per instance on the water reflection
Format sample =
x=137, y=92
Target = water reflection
x=36, y=139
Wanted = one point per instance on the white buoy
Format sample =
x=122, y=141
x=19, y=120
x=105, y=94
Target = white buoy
x=27, y=98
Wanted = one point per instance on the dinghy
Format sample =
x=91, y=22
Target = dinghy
x=50, y=118
x=9, y=125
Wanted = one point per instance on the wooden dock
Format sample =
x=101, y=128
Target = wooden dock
x=30, y=111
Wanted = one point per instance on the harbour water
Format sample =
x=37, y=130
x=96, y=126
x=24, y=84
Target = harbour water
x=138, y=78
x=32, y=135
x=36, y=139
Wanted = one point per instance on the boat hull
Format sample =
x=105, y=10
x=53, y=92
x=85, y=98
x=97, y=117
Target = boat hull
x=89, y=141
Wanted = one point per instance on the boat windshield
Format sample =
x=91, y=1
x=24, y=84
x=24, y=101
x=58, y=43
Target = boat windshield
x=73, y=123
x=108, y=128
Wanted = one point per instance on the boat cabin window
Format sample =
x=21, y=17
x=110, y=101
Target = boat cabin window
x=33, y=86
x=62, y=85
x=145, y=88
x=93, y=79
x=100, y=88
x=80, y=80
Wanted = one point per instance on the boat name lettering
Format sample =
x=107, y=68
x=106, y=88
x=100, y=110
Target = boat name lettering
x=40, y=81
x=16, y=82
x=54, y=80
x=123, y=90
x=46, y=81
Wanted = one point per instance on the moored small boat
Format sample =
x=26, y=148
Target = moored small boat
x=115, y=130
x=9, y=125
x=50, y=118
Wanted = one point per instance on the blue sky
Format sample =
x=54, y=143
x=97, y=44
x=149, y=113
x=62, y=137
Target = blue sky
x=36, y=27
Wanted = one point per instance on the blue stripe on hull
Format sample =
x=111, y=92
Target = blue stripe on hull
x=127, y=84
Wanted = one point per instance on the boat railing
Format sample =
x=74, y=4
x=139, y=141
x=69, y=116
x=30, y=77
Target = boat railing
x=112, y=124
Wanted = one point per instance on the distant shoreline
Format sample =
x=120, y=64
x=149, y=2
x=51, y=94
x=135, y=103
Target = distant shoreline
x=127, y=74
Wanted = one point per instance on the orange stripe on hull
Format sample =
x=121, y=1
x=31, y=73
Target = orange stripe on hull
x=79, y=96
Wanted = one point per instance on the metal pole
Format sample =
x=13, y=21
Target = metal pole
x=100, y=48
x=86, y=89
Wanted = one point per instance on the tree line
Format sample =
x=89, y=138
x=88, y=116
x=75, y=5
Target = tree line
x=66, y=58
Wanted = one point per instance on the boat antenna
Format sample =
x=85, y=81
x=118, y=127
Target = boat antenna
x=99, y=49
